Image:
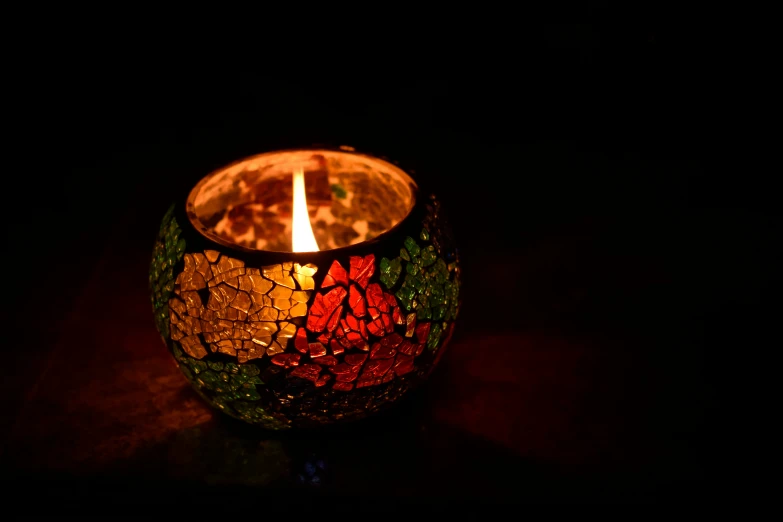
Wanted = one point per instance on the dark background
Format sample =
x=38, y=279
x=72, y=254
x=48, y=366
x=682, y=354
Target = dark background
x=605, y=256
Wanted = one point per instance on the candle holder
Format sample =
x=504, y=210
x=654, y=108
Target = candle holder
x=284, y=338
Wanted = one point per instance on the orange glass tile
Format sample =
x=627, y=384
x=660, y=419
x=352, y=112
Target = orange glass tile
x=304, y=275
x=241, y=301
x=410, y=324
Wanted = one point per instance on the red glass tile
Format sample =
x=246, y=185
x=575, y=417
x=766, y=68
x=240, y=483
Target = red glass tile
x=323, y=338
x=376, y=327
x=334, y=319
x=388, y=325
x=336, y=348
x=419, y=349
x=357, y=302
x=323, y=307
x=346, y=377
x=327, y=360
x=389, y=376
x=300, y=340
x=343, y=386
x=384, y=366
x=371, y=366
x=403, y=364
x=362, y=268
x=375, y=298
x=355, y=359
x=323, y=379
x=363, y=329
x=286, y=360
x=355, y=338
x=422, y=331
x=351, y=323
x=374, y=312
x=317, y=350
x=335, y=275
x=382, y=352
x=307, y=371
x=406, y=348
x=368, y=380
x=392, y=340
x=340, y=368
x=397, y=316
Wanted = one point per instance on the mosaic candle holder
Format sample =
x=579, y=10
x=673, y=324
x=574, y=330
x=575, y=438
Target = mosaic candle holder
x=294, y=339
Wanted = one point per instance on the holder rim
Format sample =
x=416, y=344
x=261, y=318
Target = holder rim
x=187, y=217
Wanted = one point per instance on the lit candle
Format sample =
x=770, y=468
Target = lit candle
x=302, y=236
x=303, y=287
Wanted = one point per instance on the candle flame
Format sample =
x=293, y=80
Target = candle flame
x=302, y=237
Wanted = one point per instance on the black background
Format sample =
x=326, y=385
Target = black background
x=593, y=122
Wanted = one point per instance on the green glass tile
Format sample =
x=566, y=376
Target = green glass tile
x=250, y=394
x=405, y=296
x=425, y=234
x=231, y=367
x=390, y=271
x=415, y=282
x=423, y=313
x=404, y=254
x=249, y=369
x=338, y=191
x=164, y=257
x=208, y=377
x=412, y=247
x=238, y=380
x=217, y=366
x=428, y=256
x=186, y=371
x=434, y=337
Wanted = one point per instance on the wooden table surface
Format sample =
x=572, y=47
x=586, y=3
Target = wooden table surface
x=576, y=372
